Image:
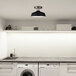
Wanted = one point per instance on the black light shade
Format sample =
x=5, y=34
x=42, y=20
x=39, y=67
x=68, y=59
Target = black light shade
x=38, y=13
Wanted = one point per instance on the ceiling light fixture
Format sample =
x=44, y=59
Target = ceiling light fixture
x=38, y=12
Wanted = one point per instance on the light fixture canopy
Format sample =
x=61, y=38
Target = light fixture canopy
x=38, y=12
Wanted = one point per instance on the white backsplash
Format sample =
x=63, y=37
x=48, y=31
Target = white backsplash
x=3, y=45
x=42, y=44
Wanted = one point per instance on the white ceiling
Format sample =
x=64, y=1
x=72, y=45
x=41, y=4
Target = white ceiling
x=54, y=9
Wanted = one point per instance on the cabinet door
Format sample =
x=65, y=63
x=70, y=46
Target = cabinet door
x=68, y=69
x=49, y=69
x=7, y=69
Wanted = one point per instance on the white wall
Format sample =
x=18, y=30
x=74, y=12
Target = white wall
x=3, y=45
x=42, y=44
x=3, y=40
x=2, y=24
x=43, y=25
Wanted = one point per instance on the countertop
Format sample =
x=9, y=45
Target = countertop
x=43, y=59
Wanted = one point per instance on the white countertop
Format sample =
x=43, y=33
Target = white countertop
x=42, y=59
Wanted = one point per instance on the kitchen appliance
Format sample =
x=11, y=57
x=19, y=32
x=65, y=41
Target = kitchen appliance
x=49, y=69
x=27, y=69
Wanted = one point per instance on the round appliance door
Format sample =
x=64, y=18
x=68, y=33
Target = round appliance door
x=27, y=73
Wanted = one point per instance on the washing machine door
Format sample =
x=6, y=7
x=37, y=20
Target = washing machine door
x=27, y=73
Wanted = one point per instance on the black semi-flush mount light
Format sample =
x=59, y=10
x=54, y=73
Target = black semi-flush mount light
x=38, y=12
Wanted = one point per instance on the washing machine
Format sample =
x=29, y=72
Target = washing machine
x=27, y=69
x=49, y=69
